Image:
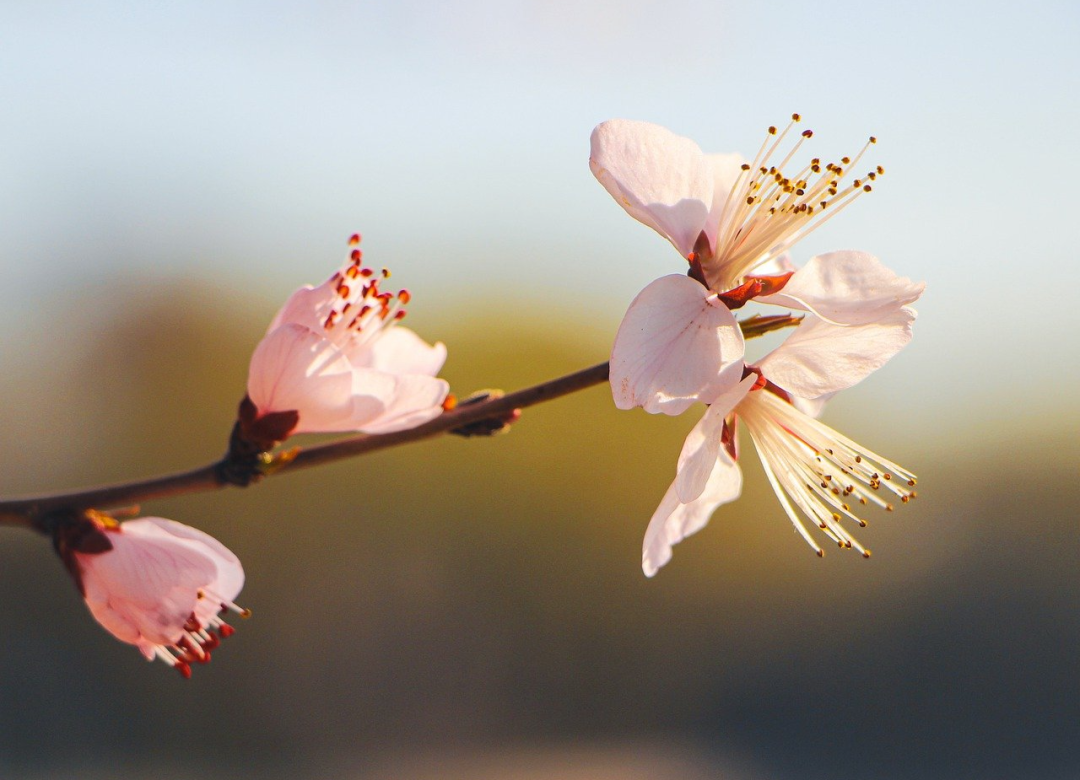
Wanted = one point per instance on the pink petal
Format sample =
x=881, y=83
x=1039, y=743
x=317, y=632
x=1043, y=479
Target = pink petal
x=398, y=350
x=702, y=445
x=820, y=358
x=308, y=306
x=662, y=180
x=847, y=288
x=148, y=585
x=230, y=573
x=415, y=400
x=676, y=345
x=674, y=521
x=294, y=368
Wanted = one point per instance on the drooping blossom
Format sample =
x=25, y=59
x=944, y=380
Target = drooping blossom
x=733, y=222
x=818, y=474
x=335, y=359
x=154, y=583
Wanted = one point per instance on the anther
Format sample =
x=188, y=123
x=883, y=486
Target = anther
x=354, y=239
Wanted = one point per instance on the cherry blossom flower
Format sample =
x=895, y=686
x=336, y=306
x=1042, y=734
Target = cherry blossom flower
x=733, y=222
x=154, y=583
x=817, y=473
x=335, y=359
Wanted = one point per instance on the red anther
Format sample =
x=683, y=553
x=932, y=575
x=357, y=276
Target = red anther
x=212, y=643
x=184, y=669
x=355, y=255
x=343, y=290
x=404, y=296
x=192, y=624
x=225, y=630
x=354, y=239
x=205, y=658
x=385, y=273
x=335, y=277
x=399, y=315
x=329, y=323
x=449, y=403
x=364, y=310
x=807, y=133
x=366, y=272
x=353, y=272
x=345, y=308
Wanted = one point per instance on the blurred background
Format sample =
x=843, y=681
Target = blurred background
x=476, y=609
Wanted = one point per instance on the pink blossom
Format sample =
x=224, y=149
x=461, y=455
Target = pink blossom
x=818, y=474
x=154, y=583
x=733, y=222
x=335, y=359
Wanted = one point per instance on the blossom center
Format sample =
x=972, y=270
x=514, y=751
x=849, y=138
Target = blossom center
x=359, y=309
x=769, y=209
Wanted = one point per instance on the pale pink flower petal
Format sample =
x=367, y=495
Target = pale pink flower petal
x=398, y=350
x=415, y=399
x=677, y=344
x=308, y=306
x=662, y=180
x=160, y=586
x=821, y=358
x=296, y=369
x=702, y=445
x=846, y=288
x=673, y=520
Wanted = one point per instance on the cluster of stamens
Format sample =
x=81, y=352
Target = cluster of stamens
x=823, y=473
x=198, y=640
x=359, y=308
x=769, y=210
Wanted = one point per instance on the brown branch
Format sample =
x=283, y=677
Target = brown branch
x=27, y=511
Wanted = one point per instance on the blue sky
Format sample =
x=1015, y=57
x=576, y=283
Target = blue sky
x=244, y=141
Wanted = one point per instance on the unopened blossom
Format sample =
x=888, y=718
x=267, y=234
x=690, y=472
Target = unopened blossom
x=335, y=359
x=733, y=222
x=820, y=476
x=154, y=583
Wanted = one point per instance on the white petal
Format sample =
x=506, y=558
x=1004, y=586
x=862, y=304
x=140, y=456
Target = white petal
x=676, y=345
x=294, y=368
x=415, y=400
x=702, y=445
x=820, y=358
x=847, y=288
x=674, y=521
x=398, y=350
x=661, y=179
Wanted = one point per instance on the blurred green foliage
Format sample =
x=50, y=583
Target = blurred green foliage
x=467, y=593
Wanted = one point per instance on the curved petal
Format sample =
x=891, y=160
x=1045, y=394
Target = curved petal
x=702, y=445
x=674, y=521
x=308, y=306
x=847, y=288
x=398, y=350
x=296, y=369
x=415, y=400
x=661, y=179
x=150, y=585
x=676, y=345
x=230, y=573
x=821, y=358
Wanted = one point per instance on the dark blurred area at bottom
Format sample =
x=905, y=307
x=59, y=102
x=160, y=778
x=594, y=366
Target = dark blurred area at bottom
x=476, y=609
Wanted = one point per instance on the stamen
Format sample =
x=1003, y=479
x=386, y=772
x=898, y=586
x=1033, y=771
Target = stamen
x=768, y=211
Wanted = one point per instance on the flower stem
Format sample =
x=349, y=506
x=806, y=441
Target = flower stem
x=30, y=511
